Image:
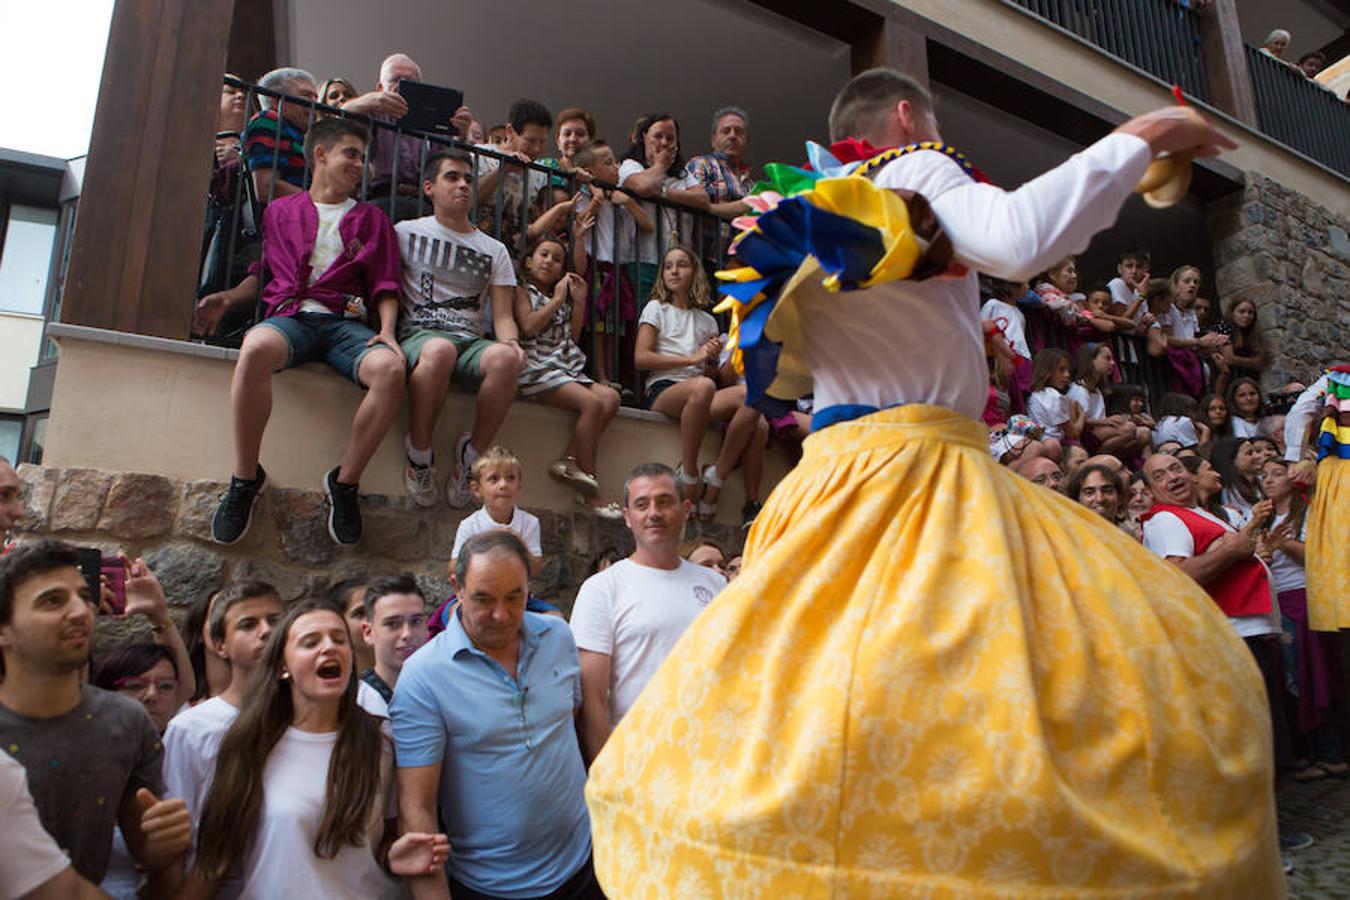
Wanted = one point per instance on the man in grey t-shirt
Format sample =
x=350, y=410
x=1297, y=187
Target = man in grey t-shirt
x=92, y=757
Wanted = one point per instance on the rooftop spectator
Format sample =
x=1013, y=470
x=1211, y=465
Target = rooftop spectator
x=550, y=311
x=396, y=159
x=328, y=256
x=503, y=193
x=35, y=867
x=484, y=724
x=92, y=757
x=336, y=91
x=274, y=139
x=575, y=129
x=476, y=134
x=303, y=791
x=1312, y=63
x=654, y=167
x=628, y=617
x=1276, y=43
x=724, y=174
x=452, y=273
x=395, y=627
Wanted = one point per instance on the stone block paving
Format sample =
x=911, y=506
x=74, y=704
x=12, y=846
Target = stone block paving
x=1322, y=809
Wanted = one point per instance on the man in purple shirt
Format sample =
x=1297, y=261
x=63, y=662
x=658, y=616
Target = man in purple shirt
x=332, y=262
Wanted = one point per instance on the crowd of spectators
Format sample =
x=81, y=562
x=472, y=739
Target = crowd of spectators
x=373, y=741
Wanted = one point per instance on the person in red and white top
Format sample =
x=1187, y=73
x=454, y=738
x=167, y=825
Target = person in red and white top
x=11, y=503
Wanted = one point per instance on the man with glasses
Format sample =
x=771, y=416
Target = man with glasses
x=484, y=733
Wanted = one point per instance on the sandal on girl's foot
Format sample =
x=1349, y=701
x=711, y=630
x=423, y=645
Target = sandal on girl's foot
x=707, y=508
x=610, y=512
x=566, y=470
x=1314, y=772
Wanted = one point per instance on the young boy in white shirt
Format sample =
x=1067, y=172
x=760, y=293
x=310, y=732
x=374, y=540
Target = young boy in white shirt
x=496, y=480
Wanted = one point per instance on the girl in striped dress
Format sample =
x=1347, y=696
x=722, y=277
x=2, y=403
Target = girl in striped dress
x=550, y=310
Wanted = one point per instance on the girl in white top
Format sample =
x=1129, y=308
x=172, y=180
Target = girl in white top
x=678, y=346
x=1117, y=435
x=1239, y=462
x=1048, y=404
x=303, y=799
x=1244, y=402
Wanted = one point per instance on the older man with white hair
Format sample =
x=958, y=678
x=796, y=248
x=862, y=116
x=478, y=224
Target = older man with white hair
x=396, y=160
x=274, y=139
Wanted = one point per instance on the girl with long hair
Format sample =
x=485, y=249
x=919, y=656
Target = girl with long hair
x=1312, y=652
x=1246, y=353
x=1187, y=349
x=1209, y=487
x=1214, y=413
x=1244, y=404
x=678, y=346
x=303, y=791
x=1114, y=434
x=1049, y=404
x=1237, y=460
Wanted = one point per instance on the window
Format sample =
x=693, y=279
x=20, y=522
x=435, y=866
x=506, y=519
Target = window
x=11, y=429
x=26, y=258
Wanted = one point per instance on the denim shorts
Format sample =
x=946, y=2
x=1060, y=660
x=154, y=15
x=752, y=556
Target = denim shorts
x=657, y=388
x=342, y=343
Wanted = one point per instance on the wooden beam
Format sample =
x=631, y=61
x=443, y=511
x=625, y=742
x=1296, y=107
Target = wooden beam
x=253, y=40
x=891, y=45
x=1230, y=84
x=133, y=263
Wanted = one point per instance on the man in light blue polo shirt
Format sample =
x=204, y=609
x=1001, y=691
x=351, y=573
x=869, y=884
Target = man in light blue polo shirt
x=484, y=729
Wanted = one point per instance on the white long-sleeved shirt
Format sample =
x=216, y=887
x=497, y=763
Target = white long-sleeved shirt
x=921, y=341
x=1300, y=415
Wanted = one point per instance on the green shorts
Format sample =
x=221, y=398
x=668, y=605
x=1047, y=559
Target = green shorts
x=468, y=360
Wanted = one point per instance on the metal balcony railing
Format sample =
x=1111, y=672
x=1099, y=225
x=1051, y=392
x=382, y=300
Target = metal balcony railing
x=1299, y=113
x=1161, y=37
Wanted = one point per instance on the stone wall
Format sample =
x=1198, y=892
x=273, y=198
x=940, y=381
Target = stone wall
x=1291, y=256
x=168, y=522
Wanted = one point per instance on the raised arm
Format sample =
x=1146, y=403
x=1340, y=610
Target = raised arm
x=1300, y=418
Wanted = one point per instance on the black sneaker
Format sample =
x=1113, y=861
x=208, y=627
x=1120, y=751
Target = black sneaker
x=235, y=513
x=344, y=512
x=748, y=513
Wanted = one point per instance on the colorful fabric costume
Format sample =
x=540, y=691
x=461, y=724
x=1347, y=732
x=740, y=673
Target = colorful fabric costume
x=933, y=677
x=1327, y=403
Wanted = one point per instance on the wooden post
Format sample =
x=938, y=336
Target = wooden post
x=133, y=263
x=888, y=43
x=1230, y=84
x=253, y=40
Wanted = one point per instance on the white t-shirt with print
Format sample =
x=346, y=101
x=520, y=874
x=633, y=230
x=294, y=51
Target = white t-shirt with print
x=281, y=850
x=679, y=332
x=523, y=524
x=327, y=247
x=1094, y=404
x=446, y=277
x=635, y=614
x=1166, y=535
x=668, y=222
x=1049, y=409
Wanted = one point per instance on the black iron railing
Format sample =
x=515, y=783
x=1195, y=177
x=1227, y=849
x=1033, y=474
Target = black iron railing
x=1131, y=351
x=1160, y=37
x=395, y=156
x=1299, y=113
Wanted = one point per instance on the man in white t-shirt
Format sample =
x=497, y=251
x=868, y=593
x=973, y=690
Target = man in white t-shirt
x=627, y=618
x=449, y=269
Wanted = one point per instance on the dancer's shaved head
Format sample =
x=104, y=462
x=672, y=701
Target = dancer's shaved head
x=866, y=107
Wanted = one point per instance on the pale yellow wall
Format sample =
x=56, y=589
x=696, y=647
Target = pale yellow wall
x=1032, y=43
x=20, y=340
x=122, y=408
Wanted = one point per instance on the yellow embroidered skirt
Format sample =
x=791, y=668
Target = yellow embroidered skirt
x=934, y=678
x=1328, y=557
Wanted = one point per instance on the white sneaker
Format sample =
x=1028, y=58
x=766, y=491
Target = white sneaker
x=421, y=483
x=457, y=490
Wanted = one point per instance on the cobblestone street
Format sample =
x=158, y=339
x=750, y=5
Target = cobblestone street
x=1322, y=809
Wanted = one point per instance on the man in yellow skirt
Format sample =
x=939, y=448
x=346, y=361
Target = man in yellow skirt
x=934, y=678
x=1325, y=406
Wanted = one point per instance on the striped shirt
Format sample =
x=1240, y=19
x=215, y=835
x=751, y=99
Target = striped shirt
x=552, y=358
x=264, y=148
